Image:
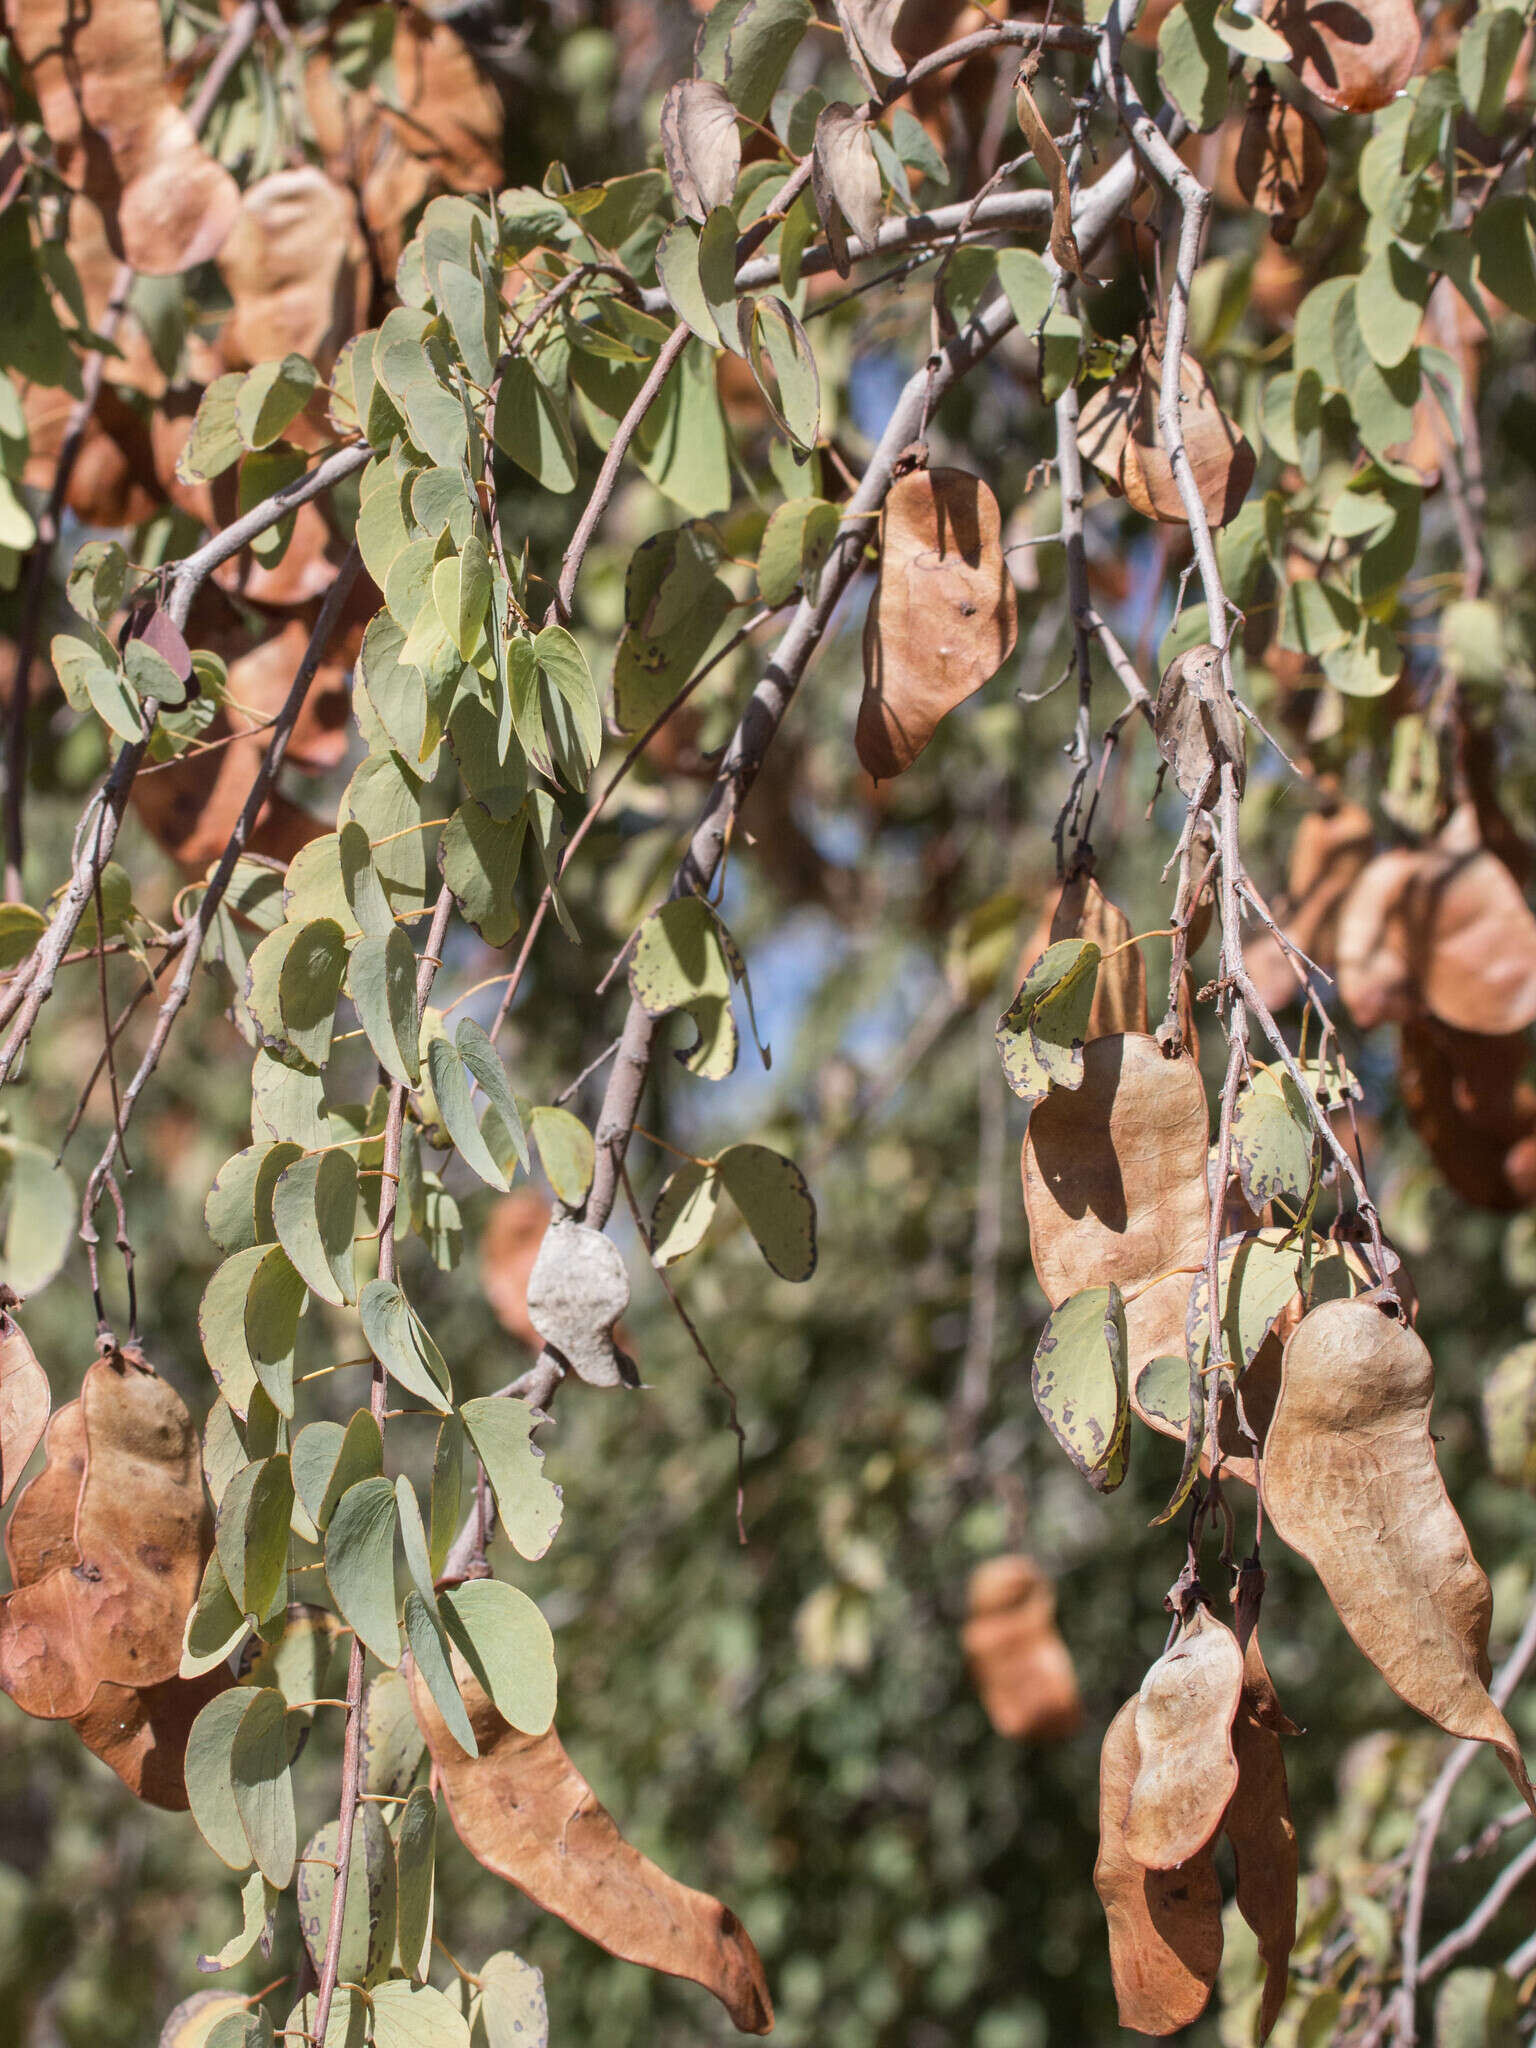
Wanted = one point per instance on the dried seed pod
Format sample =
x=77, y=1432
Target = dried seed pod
x=1120, y=436
x=1017, y=1660
x=1079, y=909
x=1471, y=1104
x=1197, y=725
x=142, y=1733
x=1328, y=855
x=1164, y=1926
x=1354, y=54
x=1187, y=1769
x=1282, y=159
x=1351, y=1482
x=944, y=617
x=24, y=1402
x=297, y=270
x=524, y=1810
x=1258, y=1825
x=508, y=1248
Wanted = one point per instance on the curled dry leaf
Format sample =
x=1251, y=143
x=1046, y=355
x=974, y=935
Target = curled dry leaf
x=1079, y=909
x=523, y=1810
x=1119, y=434
x=509, y=1247
x=1282, y=159
x=99, y=75
x=297, y=269
x=944, y=617
x=24, y=1403
x=577, y=1291
x=1115, y=1187
x=1471, y=1104
x=1330, y=851
x=701, y=144
x=1351, y=1482
x=1258, y=1825
x=845, y=179
x=1047, y=154
x=1017, y=1660
x=1197, y=725
x=1354, y=54
x=870, y=24
x=1187, y=1768
x=114, y=1611
x=1164, y=1926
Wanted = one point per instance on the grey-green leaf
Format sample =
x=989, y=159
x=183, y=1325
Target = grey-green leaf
x=263, y=1787
x=314, y=1211
x=1040, y=1035
x=530, y=1505
x=507, y=1644
x=450, y=1084
x=402, y=1346
x=360, y=1565
x=417, y=1853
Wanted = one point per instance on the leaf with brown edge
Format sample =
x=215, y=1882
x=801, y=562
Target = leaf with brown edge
x=1119, y=432
x=1079, y=909
x=142, y=1531
x=1351, y=1482
x=701, y=145
x=1165, y=1936
x=1197, y=726
x=944, y=617
x=142, y=1733
x=845, y=178
x=1258, y=1825
x=24, y=1403
x=100, y=78
x=1018, y=1663
x=1282, y=159
x=1187, y=1768
x=523, y=1810
x=1354, y=54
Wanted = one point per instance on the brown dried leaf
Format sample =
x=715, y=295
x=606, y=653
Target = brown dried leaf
x=524, y=1811
x=297, y=269
x=1188, y=1769
x=142, y=1532
x=1017, y=1660
x=99, y=75
x=1079, y=909
x=1351, y=1482
x=1355, y=54
x=1197, y=725
x=1282, y=159
x=701, y=144
x=24, y=1403
x=1119, y=435
x=1115, y=1186
x=1164, y=1926
x=944, y=617
x=1047, y=154
x=1258, y=1825
x=871, y=23
x=1471, y=1105
x=508, y=1249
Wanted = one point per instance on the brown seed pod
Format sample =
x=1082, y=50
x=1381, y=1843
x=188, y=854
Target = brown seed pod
x=297, y=269
x=510, y=1244
x=24, y=1402
x=1187, y=1769
x=1282, y=159
x=1119, y=433
x=1165, y=1936
x=1354, y=54
x=1351, y=1482
x=1470, y=1103
x=1329, y=853
x=1258, y=1825
x=524, y=1810
x=944, y=616
x=1017, y=1660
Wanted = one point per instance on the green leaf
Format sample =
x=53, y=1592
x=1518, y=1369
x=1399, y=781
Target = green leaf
x=347, y=2027
x=88, y=680
x=360, y=879
x=1272, y=1142
x=680, y=962
x=381, y=979
x=1040, y=1035
x=1251, y=36
x=1485, y=56
x=401, y=1344
x=474, y=315
x=480, y=856
x=98, y=580
x=717, y=274
x=674, y=606
x=1079, y=1380
x=563, y=665
x=210, y=1781
x=682, y=445
x=286, y=1105
x=328, y=1460
x=1317, y=617
x=484, y=1065
x=221, y=1325
x=38, y=1199
x=447, y=1490
x=684, y=1210
x=269, y=398
x=368, y=1914
x=263, y=1788
x=1477, y=2008
x=1258, y=1277
x=241, y=2030
x=506, y=1642
x=1368, y=665
x=314, y=1211
x=784, y=364
x=215, y=1627
x=299, y=1657
x=746, y=46
x=273, y=1304
x=429, y=1650
x=1192, y=63
x=251, y=1535
x=1389, y=303
x=257, y=1900
x=309, y=982
x=407, y=2015
x=20, y=929
x=450, y=1085
x=215, y=441
x=796, y=541
x=677, y=267
x=238, y=1210
x=513, y=2008
x=393, y=1745
x=417, y=1856
x=776, y=1206
x=360, y=1565
x=263, y=474
x=529, y=1505
x=1506, y=255
x=386, y=798
x=1509, y=1416
x=533, y=428
x=566, y=1152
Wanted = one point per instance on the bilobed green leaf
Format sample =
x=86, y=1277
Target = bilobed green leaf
x=677, y=267
x=684, y=1210
x=1272, y=1142
x=776, y=1205
x=529, y=1504
x=251, y=1534
x=1389, y=303
x=1506, y=254
x=566, y=1152
x=328, y=1459
x=680, y=963
x=480, y=857
x=1367, y=665
x=1251, y=36
x=413, y=1540
x=287, y=1105
x=1477, y=2008
x=533, y=428
x=506, y=1642
x=381, y=979
x=221, y=1325
x=269, y=398
x=674, y=605
x=238, y=1210
x=1485, y=55
x=368, y=1914
x=447, y=1502
x=210, y=1780
x=717, y=274
x=264, y=473
x=257, y=1900
x=795, y=543
x=425, y=1633
x=309, y=982
x=298, y=1657
x=1079, y=1380
x=1040, y=1035
x=360, y=1565
x=360, y=879
x=347, y=2027
x=1193, y=61
x=784, y=364
x=417, y=1855
x=89, y=680
x=402, y=1346
x=251, y=2029
x=484, y=1065
x=273, y=1304
x=20, y=929
x=746, y=46
x=407, y=2015
x=263, y=1788
x=314, y=1211
x=474, y=315
x=450, y=1084
x=513, y=2008
x=385, y=796
x=563, y=665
